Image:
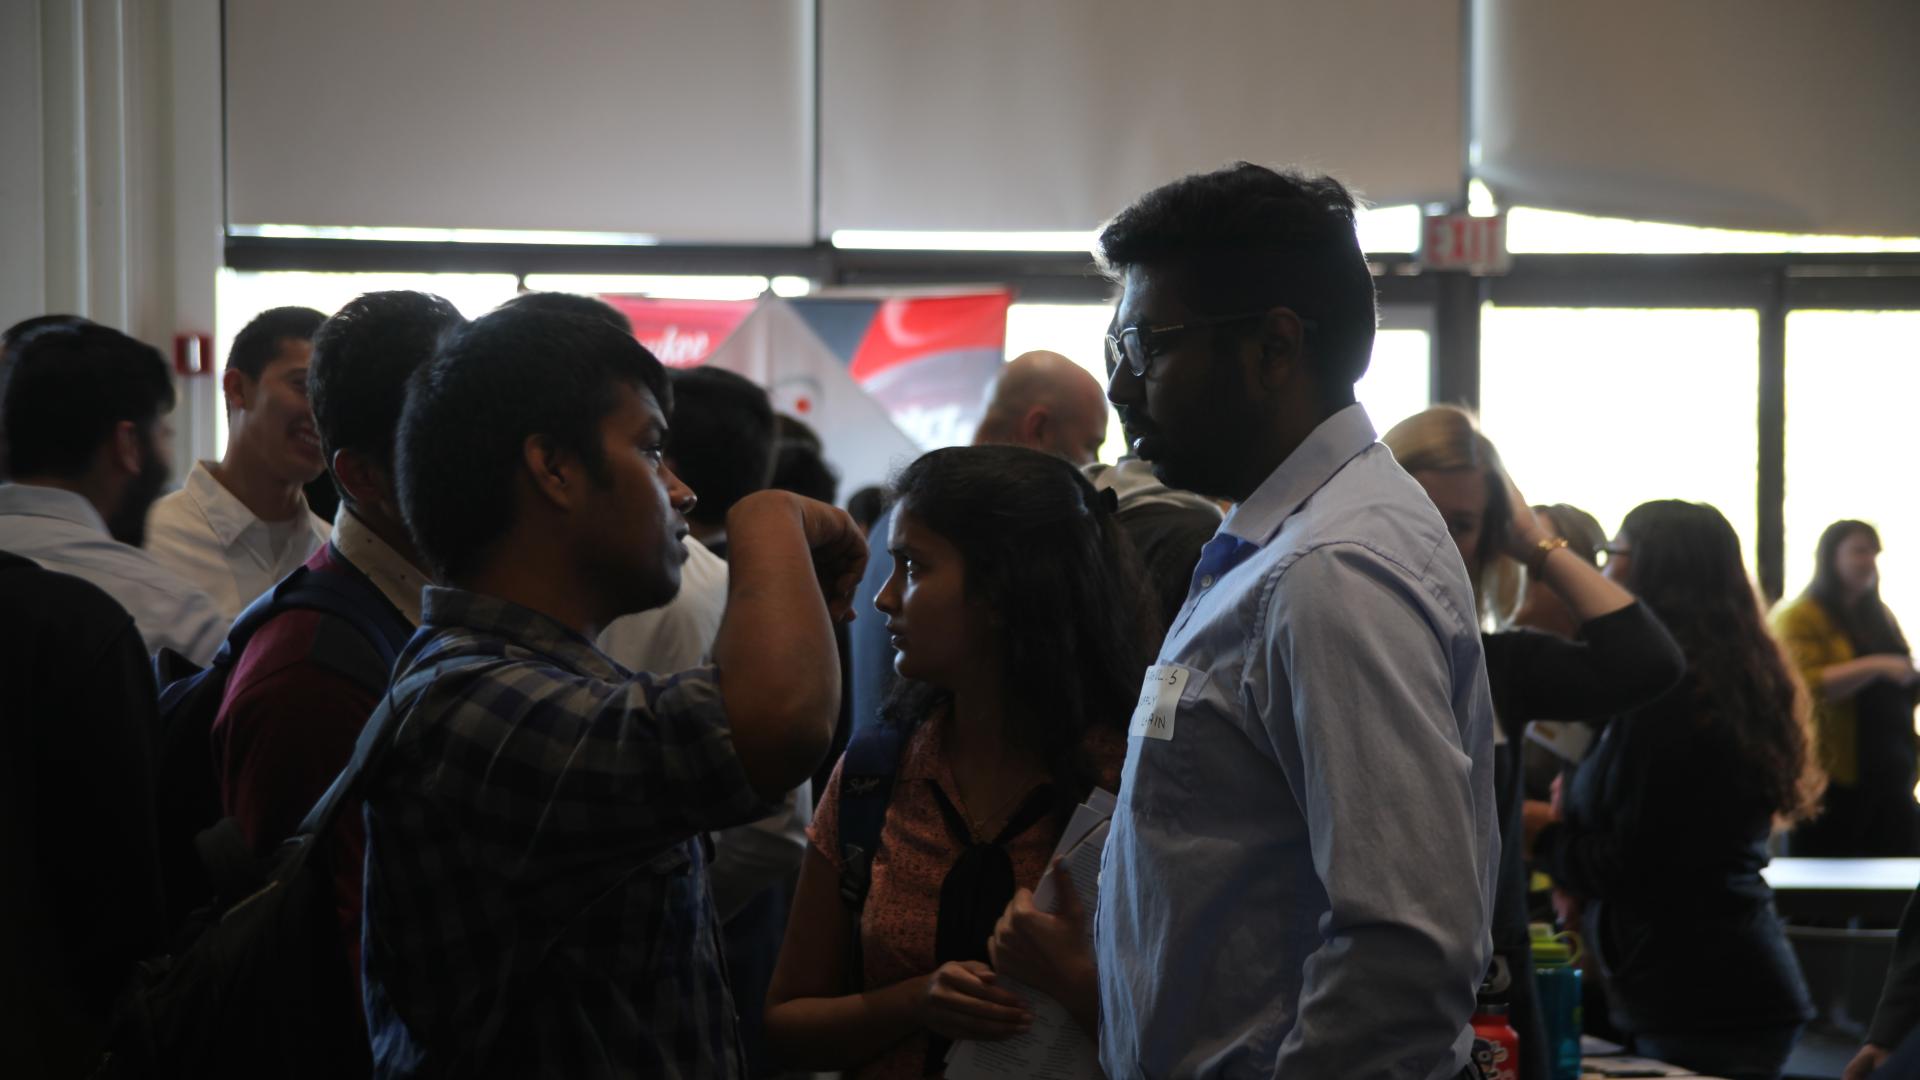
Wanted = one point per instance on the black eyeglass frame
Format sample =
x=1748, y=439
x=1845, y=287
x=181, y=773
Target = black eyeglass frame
x=1136, y=346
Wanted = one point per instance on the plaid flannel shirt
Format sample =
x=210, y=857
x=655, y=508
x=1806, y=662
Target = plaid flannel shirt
x=536, y=896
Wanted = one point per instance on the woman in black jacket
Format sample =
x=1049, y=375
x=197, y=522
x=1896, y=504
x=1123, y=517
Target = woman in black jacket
x=1621, y=658
x=1664, y=826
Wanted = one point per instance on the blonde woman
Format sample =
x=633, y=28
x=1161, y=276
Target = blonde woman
x=1623, y=657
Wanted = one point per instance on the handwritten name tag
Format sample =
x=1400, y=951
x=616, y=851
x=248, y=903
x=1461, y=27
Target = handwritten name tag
x=1159, y=697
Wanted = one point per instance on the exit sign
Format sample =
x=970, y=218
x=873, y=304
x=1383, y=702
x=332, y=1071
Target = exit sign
x=1477, y=245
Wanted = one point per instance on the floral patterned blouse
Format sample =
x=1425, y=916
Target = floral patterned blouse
x=917, y=848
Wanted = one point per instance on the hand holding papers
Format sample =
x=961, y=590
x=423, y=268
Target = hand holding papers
x=1057, y=1048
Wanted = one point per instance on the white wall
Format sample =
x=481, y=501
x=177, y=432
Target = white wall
x=22, y=206
x=110, y=117
x=687, y=120
x=1777, y=115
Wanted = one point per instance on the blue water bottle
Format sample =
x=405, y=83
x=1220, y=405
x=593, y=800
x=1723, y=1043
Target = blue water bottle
x=1559, y=985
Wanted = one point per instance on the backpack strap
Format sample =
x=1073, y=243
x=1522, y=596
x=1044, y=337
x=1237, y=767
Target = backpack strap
x=222, y=848
x=866, y=785
x=334, y=594
x=369, y=748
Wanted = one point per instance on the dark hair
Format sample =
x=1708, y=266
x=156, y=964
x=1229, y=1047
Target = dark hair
x=866, y=505
x=1686, y=567
x=362, y=358
x=258, y=342
x=799, y=463
x=500, y=380
x=566, y=303
x=1579, y=529
x=792, y=429
x=1869, y=626
x=1041, y=550
x=799, y=468
x=722, y=443
x=68, y=386
x=11, y=335
x=9, y=341
x=1246, y=236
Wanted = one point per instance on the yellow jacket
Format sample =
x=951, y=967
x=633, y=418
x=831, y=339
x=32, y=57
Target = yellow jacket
x=1813, y=644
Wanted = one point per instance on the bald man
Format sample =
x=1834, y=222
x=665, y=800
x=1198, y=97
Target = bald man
x=1044, y=401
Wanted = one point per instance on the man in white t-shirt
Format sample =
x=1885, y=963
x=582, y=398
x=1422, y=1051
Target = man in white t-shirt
x=241, y=524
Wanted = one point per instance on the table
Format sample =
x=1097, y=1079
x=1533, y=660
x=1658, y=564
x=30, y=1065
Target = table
x=1873, y=890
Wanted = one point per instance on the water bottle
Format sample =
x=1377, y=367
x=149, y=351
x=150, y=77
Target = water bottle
x=1496, y=1046
x=1558, y=982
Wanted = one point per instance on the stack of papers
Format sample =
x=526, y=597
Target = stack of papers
x=1056, y=1048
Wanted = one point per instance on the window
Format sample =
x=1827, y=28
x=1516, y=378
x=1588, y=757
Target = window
x=1531, y=230
x=1606, y=408
x=242, y=294
x=1077, y=332
x=1399, y=378
x=1852, y=378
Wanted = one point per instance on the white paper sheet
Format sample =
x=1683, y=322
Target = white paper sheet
x=1056, y=1048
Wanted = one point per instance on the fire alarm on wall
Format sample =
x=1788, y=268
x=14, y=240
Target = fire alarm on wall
x=193, y=354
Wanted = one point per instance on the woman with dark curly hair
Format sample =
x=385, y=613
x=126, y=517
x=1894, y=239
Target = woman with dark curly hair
x=1019, y=622
x=1663, y=829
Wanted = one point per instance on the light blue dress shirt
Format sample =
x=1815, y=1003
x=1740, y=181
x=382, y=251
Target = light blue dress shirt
x=1300, y=875
x=63, y=532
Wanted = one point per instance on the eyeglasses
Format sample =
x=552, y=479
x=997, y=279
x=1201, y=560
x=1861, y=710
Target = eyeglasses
x=1136, y=346
x=1609, y=552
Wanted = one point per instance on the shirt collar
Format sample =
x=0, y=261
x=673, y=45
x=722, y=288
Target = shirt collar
x=1339, y=439
x=397, y=579
x=35, y=500
x=442, y=608
x=225, y=513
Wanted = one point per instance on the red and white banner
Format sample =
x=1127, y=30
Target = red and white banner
x=916, y=380
x=682, y=333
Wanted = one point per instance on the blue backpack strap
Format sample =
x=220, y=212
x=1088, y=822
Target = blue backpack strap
x=333, y=594
x=866, y=784
x=221, y=848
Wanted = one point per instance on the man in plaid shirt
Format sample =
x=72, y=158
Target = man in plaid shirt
x=536, y=895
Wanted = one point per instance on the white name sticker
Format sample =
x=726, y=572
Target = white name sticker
x=1159, y=697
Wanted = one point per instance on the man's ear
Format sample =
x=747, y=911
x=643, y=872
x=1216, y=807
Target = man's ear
x=124, y=449
x=1283, y=348
x=234, y=385
x=1035, y=425
x=363, y=482
x=553, y=470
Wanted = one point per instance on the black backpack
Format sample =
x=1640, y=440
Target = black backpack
x=204, y=857
x=260, y=986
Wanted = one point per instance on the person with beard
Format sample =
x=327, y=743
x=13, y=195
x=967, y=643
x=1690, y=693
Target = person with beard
x=85, y=415
x=240, y=524
x=1310, y=766
x=1168, y=528
x=536, y=896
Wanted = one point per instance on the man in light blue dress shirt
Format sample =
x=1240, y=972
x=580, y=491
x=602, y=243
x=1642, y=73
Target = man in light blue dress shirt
x=1299, y=878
